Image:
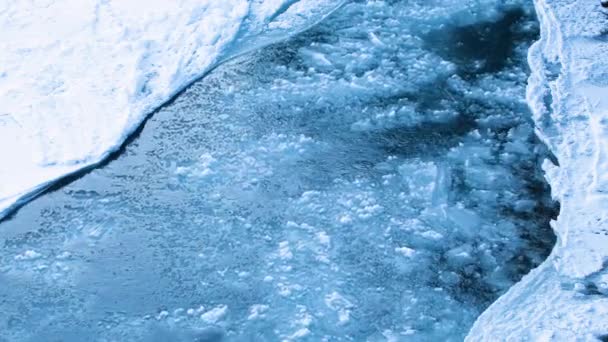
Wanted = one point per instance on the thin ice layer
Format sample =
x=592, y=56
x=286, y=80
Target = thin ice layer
x=78, y=76
x=567, y=297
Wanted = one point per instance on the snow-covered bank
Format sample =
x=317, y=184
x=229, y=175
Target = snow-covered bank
x=566, y=299
x=78, y=76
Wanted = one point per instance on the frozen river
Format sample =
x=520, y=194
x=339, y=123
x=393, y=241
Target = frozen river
x=375, y=178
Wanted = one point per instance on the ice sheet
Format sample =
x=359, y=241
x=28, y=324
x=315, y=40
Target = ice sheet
x=79, y=76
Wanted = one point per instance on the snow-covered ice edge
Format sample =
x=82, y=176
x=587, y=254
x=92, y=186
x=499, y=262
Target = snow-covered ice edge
x=566, y=298
x=77, y=77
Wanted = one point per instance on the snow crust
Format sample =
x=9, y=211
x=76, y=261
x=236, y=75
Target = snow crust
x=79, y=76
x=566, y=298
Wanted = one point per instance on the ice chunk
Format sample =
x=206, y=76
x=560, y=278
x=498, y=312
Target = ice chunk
x=215, y=314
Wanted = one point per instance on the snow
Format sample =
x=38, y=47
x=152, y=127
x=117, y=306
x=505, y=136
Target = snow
x=79, y=76
x=566, y=298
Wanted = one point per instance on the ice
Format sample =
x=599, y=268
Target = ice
x=357, y=182
x=79, y=76
x=565, y=299
x=214, y=315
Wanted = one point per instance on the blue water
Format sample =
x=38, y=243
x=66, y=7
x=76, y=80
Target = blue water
x=376, y=178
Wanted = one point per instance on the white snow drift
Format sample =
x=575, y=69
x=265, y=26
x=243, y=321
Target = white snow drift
x=566, y=299
x=78, y=76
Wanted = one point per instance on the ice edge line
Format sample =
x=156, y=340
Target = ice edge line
x=133, y=132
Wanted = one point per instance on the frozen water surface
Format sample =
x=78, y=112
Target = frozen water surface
x=375, y=178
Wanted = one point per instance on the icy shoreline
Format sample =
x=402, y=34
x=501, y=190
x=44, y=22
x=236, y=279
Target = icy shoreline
x=74, y=87
x=566, y=298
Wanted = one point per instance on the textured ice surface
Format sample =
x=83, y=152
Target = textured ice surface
x=376, y=178
x=78, y=76
x=566, y=299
